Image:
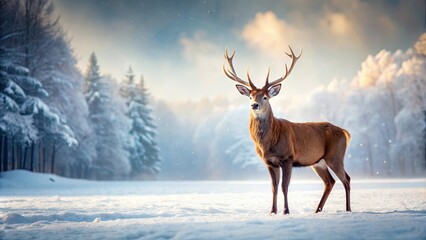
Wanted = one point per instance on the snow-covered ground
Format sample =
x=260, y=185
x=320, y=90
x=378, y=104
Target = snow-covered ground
x=41, y=206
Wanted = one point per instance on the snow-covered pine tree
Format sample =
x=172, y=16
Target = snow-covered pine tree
x=64, y=82
x=50, y=59
x=28, y=119
x=39, y=37
x=111, y=156
x=13, y=125
x=135, y=148
x=144, y=152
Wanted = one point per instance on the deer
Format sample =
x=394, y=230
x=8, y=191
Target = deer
x=282, y=144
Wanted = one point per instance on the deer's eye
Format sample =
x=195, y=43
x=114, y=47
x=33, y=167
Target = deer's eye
x=251, y=98
x=265, y=98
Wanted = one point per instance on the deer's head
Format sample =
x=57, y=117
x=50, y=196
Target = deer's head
x=259, y=97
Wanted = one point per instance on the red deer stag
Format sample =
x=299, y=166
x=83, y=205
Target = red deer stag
x=284, y=144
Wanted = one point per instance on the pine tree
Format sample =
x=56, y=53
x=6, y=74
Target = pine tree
x=13, y=125
x=40, y=41
x=13, y=118
x=64, y=83
x=12, y=96
x=27, y=120
x=112, y=158
x=93, y=84
x=144, y=152
x=136, y=149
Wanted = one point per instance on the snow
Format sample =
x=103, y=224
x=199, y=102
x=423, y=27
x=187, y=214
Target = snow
x=14, y=89
x=43, y=206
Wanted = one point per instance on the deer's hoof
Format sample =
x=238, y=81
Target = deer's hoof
x=273, y=212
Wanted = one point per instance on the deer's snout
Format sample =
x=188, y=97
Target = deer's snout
x=255, y=106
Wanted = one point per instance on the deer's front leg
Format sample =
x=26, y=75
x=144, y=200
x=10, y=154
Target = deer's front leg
x=286, y=167
x=275, y=180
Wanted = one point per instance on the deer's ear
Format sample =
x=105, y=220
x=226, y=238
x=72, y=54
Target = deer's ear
x=243, y=90
x=274, y=90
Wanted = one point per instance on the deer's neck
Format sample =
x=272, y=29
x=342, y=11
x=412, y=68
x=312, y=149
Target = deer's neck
x=261, y=126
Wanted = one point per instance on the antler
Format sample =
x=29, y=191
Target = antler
x=287, y=71
x=230, y=72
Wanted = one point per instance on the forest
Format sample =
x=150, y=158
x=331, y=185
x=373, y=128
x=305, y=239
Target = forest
x=83, y=124
x=55, y=119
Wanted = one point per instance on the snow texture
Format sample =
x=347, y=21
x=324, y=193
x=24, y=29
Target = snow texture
x=42, y=206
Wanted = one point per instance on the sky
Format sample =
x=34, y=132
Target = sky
x=178, y=45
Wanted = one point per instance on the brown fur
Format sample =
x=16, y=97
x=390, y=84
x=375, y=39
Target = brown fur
x=284, y=144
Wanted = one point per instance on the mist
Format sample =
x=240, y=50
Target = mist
x=104, y=90
x=382, y=106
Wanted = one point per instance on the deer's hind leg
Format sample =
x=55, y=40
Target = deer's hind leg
x=336, y=164
x=321, y=170
x=334, y=160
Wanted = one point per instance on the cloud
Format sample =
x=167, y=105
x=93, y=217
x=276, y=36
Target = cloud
x=340, y=28
x=358, y=23
x=183, y=63
x=338, y=24
x=270, y=34
x=420, y=45
x=328, y=24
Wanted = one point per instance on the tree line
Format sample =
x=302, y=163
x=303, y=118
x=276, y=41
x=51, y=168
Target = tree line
x=55, y=119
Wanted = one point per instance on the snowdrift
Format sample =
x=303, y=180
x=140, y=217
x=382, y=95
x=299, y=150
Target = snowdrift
x=43, y=206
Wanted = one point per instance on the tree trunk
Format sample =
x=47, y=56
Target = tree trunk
x=2, y=160
x=38, y=158
x=41, y=156
x=32, y=157
x=44, y=158
x=18, y=156
x=13, y=156
x=52, y=169
x=24, y=162
x=6, y=154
